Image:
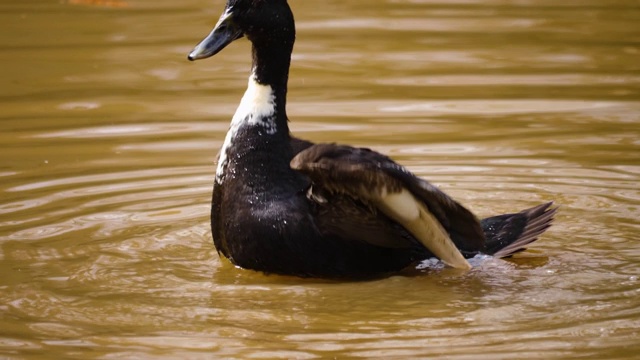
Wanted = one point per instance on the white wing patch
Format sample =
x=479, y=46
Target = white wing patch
x=415, y=217
x=257, y=108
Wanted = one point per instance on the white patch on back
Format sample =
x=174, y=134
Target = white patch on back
x=404, y=208
x=402, y=205
x=256, y=108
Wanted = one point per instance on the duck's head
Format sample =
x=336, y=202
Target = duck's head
x=261, y=21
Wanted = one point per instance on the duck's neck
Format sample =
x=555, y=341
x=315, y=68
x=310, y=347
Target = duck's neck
x=259, y=126
x=270, y=67
x=263, y=105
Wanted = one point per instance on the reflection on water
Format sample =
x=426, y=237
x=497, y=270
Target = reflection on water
x=110, y=135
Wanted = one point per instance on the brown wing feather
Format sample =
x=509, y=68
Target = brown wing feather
x=350, y=219
x=341, y=169
x=463, y=226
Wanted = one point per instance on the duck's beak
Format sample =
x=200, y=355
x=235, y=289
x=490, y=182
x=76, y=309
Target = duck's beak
x=225, y=32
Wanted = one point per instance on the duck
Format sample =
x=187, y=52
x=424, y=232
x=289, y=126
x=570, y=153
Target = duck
x=285, y=205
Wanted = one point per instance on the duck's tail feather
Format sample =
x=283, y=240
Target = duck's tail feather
x=510, y=233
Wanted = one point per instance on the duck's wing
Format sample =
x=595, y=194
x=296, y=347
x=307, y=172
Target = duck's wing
x=463, y=226
x=298, y=145
x=350, y=218
x=432, y=217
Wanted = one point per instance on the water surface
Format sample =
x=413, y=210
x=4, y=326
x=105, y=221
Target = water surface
x=109, y=138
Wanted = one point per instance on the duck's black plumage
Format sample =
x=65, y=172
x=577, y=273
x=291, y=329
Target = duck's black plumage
x=285, y=205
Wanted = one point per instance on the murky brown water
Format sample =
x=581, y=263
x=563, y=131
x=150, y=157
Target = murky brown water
x=109, y=136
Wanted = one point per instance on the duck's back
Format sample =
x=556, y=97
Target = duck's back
x=263, y=219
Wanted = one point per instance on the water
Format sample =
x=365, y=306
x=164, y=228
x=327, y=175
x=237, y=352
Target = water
x=109, y=137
